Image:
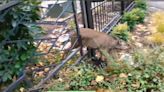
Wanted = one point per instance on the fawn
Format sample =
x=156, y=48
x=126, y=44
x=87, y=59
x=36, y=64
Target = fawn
x=93, y=39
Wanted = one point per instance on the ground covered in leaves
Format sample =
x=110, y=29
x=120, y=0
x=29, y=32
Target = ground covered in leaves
x=139, y=69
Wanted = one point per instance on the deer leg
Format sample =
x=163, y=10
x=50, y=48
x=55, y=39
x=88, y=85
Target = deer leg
x=100, y=56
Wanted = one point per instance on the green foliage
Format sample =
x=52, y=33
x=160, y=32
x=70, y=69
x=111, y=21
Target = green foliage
x=137, y=15
x=83, y=77
x=121, y=31
x=59, y=86
x=134, y=17
x=130, y=19
x=15, y=25
x=141, y=4
x=146, y=76
x=140, y=14
x=72, y=24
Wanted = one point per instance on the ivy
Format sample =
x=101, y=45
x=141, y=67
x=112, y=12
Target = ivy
x=16, y=24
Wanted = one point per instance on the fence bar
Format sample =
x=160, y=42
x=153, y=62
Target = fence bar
x=122, y=7
x=78, y=61
x=77, y=28
x=54, y=71
x=98, y=17
x=130, y=7
x=89, y=20
x=15, y=84
x=84, y=13
x=9, y=5
x=107, y=28
x=89, y=14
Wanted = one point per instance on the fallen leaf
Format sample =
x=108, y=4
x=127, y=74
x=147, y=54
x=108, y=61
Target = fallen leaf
x=41, y=73
x=22, y=89
x=123, y=75
x=104, y=90
x=60, y=79
x=136, y=85
x=99, y=78
x=46, y=69
x=41, y=63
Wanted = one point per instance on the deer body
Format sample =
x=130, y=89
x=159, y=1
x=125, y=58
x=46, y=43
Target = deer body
x=94, y=39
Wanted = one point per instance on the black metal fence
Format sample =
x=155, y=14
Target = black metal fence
x=100, y=12
x=101, y=15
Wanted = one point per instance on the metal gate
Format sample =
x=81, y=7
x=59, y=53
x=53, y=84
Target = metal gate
x=103, y=15
x=100, y=15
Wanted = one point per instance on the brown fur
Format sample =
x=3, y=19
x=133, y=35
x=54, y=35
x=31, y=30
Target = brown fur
x=94, y=39
x=97, y=40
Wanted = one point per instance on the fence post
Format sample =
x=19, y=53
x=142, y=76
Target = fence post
x=89, y=14
x=113, y=5
x=122, y=7
x=84, y=13
x=88, y=20
x=77, y=28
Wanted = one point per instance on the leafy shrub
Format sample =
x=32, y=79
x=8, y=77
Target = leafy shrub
x=130, y=19
x=121, y=31
x=141, y=4
x=140, y=13
x=134, y=17
x=14, y=25
x=137, y=15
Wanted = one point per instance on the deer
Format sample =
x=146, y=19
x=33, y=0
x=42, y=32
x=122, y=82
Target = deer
x=93, y=39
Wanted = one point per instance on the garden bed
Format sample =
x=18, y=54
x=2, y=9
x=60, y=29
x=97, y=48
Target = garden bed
x=139, y=68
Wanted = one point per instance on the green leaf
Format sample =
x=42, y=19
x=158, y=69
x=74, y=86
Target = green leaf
x=1, y=73
x=14, y=23
x=146, y=75
x=23, y=57
x=17, y=65
x=5, y=77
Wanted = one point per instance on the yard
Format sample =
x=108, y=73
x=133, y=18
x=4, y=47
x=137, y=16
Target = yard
x=36, y=55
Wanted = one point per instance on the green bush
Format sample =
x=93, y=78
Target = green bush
x=130, y=19
x=137, y=15
x=15, y=25
x=121, y=31
x=134, y=17
x=141, y=4
x=140, y=14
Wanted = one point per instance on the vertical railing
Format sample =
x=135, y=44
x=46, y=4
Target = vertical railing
x=102, y=15
x=104, y=18
x=49, y=40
